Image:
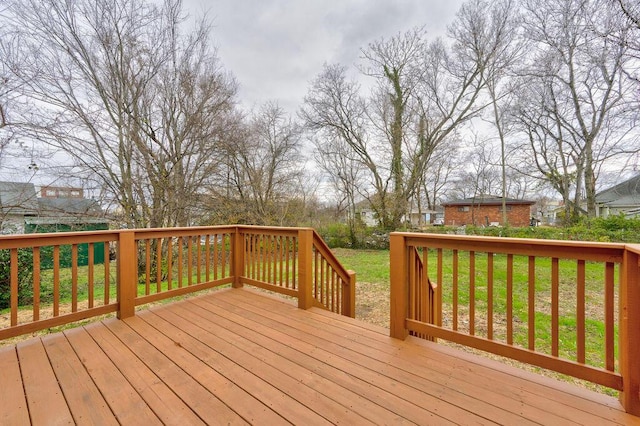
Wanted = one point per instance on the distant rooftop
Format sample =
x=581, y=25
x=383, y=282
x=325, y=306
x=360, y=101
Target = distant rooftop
x=57, y=203
x=18, y=198
x=486, y=200
x=623, y=194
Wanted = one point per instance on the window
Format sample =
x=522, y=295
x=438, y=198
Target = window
x=508, y=208
x=463, y=208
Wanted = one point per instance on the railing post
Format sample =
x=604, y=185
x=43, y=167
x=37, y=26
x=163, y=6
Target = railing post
x=237, y=265
x=349, y=296
x=305, y=268
x=127, y=274
x=630, y=332
x=398, y=265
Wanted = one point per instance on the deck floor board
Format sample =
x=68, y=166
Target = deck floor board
x=13, y=409
x=239, y=356
x=439, y=371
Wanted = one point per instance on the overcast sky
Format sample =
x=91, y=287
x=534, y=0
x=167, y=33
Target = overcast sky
x=274, y=48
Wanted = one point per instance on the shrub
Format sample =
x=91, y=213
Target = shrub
x=336, y=235
x=25, y=268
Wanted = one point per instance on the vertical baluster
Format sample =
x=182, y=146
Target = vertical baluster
x=265, y=255
x=56, y=281
x=215, y=257
x=316, y=275
x=207, y=254
x=425, y=311
x=287, y=253
x=438, y=296
x=147, y=268
x=419, y=288
x=490, y=296
x=532, y=303
x=13, y=285
x=580, y=312
x=189, y=260
x=280, y=260
x=472, y=293
x=226, y=259
x=90, y=275
x=170, y=263
x=323, y=281
x=411, y=281
x=199, y=259
x=36, y=283
x=256, y=258
x=555, y=306
x=266, y=259
x=107, y=273
x=158, y=265
x=223, y=255
x=455, y=289
x=510, y=299
x=180, y=261
x=608, y=316
x=294, y=269
x=74, y=278
x=333, y=282
x=274, y=259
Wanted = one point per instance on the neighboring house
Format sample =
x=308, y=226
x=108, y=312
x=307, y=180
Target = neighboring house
x=414, y=219
x=486, y=210
x=551, y=212
x=17, y=201
x=59, y=209
x=623, y=198
x=418, y=218
x=368, y=216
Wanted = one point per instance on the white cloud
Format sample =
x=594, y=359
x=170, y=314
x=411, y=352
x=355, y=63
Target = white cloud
x=276, y=47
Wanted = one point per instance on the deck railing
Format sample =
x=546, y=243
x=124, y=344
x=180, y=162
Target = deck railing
x=59, y=278
x=555, y=304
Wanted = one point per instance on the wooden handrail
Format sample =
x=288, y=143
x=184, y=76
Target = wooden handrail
x=488, y=279
x=346, y=281
x=156, y=264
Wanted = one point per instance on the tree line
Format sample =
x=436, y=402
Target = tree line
x=519, y=97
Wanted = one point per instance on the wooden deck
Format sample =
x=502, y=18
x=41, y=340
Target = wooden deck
x=237, y=356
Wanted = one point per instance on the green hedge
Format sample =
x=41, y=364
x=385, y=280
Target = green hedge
x=612, y=229
x=25, y=267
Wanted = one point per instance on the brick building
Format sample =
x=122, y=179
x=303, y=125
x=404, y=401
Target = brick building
x=487, y=210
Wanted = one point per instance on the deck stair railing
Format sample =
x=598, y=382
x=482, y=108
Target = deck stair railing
x=570, y=307
x=59, y=278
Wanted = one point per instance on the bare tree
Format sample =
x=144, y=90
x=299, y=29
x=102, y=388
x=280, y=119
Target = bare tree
x=574, y=108
x=136, y=104
x=503, y=18
x=265, y=167
x=345, y=175
x=443, y=165
x=424, y=93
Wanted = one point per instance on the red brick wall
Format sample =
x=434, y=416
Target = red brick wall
x=519, y=215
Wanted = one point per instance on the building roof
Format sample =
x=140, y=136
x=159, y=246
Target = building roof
x=487, y=200
x=623, y=194
x=18, y=198
x=68, y=207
